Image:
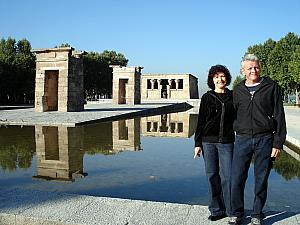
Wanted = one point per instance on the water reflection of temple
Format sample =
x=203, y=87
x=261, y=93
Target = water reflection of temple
x=112, y=137
x=169, y=125
x=60, y=149
x=126, y=135
x=59, y=152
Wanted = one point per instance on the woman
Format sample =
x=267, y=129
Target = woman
x=214, y=137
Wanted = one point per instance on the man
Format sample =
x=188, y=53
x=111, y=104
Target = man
x=260, y=132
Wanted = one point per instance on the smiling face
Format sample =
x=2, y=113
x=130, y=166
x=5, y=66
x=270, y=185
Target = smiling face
x=219, y=81
x=251, y=70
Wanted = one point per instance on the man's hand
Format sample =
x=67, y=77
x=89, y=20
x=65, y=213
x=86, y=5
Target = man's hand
x=275, y=152
x=197, y=152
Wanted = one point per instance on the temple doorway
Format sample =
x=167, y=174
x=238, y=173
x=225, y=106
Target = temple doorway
x=122, y=91
x=51, y=89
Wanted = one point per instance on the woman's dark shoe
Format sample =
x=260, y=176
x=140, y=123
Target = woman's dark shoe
x=217, y=217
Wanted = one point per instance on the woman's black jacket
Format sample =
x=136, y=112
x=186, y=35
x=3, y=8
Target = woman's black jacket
x=215, y=119
x=261, y=113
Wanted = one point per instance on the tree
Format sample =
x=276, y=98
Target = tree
x=7, y=57
x=237, y=80
x=294, y=70
x=25, y=71
x=294, y=65
x=63, y=45
x=278, y=62
x=98, y=74
x=17, y=71
x=262, y=51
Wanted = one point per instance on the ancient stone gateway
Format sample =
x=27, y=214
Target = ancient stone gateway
x=59, y=80
x=126, y=135
x=126, y=85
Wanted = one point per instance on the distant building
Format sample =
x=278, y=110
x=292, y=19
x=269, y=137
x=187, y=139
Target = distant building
x=132, y=87
x=169, y=87
x=126, y=85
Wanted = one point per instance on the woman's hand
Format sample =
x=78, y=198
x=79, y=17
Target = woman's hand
x=197, y=152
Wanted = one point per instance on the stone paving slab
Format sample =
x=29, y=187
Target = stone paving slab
x=108, y=211
x=155, y=213
x=24, y=207
x=91, y=114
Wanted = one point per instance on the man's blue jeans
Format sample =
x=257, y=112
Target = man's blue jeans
x=244, y=148
x=218, y=158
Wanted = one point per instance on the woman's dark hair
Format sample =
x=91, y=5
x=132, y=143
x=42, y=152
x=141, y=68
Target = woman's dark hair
x=217, y=69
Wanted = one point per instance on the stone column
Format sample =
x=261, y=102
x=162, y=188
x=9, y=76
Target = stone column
x=151, y=127
x=152, y=84
x=177, y=83
x=169, y=88
x=176, y=127
x=159, y=84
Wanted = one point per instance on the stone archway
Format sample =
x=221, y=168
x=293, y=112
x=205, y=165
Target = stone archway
x=127, y=85
x=59, y=80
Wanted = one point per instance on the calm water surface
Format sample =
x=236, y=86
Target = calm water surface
x=147, y=158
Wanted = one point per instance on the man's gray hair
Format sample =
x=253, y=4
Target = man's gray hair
x=250, y=57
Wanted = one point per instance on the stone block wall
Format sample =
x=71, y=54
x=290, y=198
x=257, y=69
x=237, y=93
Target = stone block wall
x=59, y=80
x=168, y=87
x=59, y=152
x=126, y=85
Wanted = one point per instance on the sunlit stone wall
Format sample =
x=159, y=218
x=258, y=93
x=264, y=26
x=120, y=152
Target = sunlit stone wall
x=59, y=80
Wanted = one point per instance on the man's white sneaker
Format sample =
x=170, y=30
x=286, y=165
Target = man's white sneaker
x=233, y=220
x=255, y=221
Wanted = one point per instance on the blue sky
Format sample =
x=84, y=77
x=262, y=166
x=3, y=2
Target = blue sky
x=163, y=36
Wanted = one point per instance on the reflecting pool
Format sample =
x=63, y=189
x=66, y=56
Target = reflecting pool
x=149, y=158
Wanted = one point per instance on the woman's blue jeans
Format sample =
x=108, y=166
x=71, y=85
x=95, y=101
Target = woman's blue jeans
x=218, y=158
x=244, y=148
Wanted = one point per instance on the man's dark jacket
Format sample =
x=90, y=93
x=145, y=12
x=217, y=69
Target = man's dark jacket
x=260, y=114
x=215, y=119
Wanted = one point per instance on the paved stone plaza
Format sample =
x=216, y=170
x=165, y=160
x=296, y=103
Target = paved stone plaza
x=29, y=207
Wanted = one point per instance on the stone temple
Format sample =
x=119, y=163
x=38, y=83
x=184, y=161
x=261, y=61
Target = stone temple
x=59, y=80
x=59, y=83
x=132, y=87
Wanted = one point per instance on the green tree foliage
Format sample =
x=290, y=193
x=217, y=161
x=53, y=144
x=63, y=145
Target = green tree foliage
x=294, y=66
x=287, y=166
x=17, y=147
x=93, y=143
x=262, y=51
x=17, y=71
x=63, y=45
x=98, y=74
x=237, y=80
x=279, y=61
